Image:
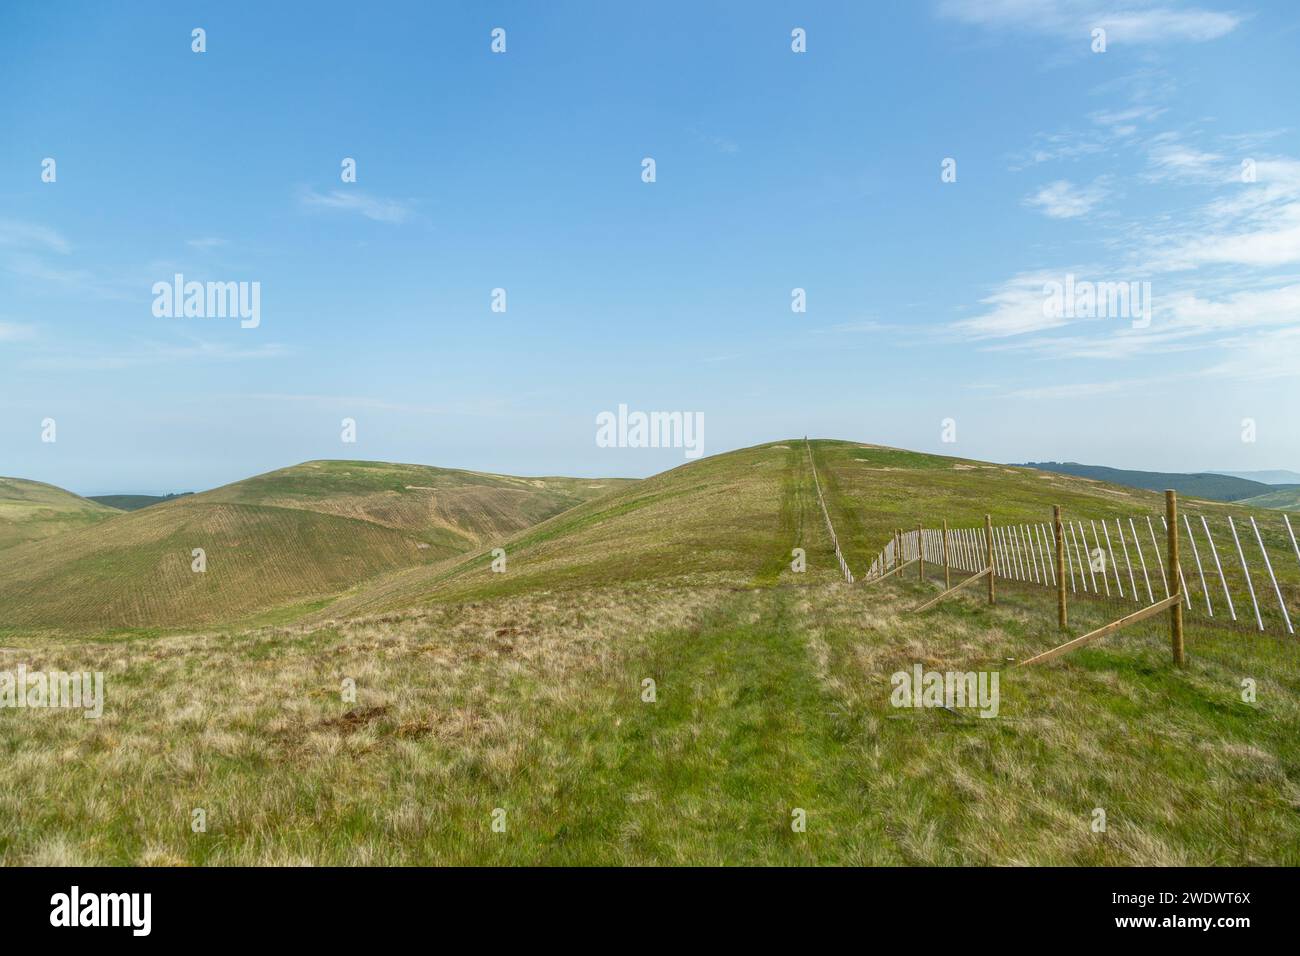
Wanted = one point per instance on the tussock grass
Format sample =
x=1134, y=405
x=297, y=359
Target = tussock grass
x=768, y=699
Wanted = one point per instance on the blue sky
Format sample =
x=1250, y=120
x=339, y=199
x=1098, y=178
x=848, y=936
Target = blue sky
x=522, y=171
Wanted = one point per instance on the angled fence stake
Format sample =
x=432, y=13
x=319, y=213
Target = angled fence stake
x=1214, y=549
x=1127, y=563
x=988, y=538
x=1060, y=567
x=952, y=590
x=1245, y=569
x=920, y=553
x=1272, y=577
x=947, y=567
x=1175, y=577
x=1196, y=553
x=1101, y=632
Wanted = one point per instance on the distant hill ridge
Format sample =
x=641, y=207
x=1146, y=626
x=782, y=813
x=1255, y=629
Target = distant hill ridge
x=134, y=502
x=1208, y=485
x=1276, y=476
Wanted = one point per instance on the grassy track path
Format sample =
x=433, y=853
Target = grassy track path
x=742, y=734
x=858, y=550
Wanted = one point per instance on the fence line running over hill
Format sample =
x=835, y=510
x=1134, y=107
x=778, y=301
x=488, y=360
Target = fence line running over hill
x=844, y=565
x=1120, y=560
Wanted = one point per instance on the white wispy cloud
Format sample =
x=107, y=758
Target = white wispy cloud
x=1013, y=308
x=1108, y=129
x=1126, y=120
x=28, y=235
x=1251, y=224
x=153, y=353
x=490, y=406
x=1082, y=389
x=1169, y=159
x=208, y=242
x=16, y=332
x=1274, y=354
x=1184, y=322
x=1136, y=21
x=1062, y=199
x=372, y=207
x=862, y=325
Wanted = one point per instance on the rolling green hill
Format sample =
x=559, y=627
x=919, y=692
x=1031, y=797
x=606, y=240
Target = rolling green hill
x=286, y=538
x=459, y=509
x=32, y=510
x=1214, y=487
x=1284, y=500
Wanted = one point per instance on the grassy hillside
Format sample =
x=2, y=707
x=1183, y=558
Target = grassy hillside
x=31, y=511
x=1215, y=487
x=460, y=508
x=732, y=517
x=287, y=540
x=1288, y=500
x=132, y=502
x=525, y=693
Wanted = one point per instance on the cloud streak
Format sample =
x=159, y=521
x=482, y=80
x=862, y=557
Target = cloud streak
x=16, y=332
x=1139, y=21
x=1064, y=200
x=375, y=208
x=27, y=235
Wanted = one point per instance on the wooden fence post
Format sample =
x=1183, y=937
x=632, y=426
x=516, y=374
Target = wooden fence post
x=947, y=568
x=920, y=553
x=988, y=540
x=1175, y=577
x=1061, y=614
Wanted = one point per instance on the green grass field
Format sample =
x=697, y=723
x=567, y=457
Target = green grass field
x=520, y=696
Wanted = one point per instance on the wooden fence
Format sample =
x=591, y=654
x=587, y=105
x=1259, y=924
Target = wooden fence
x=1126, y=566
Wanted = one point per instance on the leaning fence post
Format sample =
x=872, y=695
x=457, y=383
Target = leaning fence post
x=947, y=568
x=920, y=554
x=898, y=549
x=1061, y=615
x=988, y=540
x=1175, y=578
